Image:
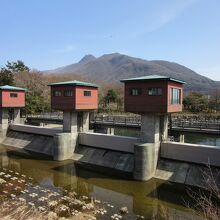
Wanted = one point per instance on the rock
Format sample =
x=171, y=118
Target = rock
x=124, y=210
x=52, y=216
x=52, y=204
x=2, y=181
x=63, y=211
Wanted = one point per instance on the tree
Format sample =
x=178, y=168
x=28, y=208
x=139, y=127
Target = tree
x=111, y=96
x=195, y=102
x=214, y=100
x=38, y=95
x=11, y=68
x=17, y=66
x=6, y=77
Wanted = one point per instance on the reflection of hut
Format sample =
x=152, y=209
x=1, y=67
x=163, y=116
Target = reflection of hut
x=12, y=99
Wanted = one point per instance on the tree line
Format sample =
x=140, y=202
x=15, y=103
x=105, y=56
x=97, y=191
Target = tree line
x=110, y=95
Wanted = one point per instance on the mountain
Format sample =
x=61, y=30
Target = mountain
x=113, y=67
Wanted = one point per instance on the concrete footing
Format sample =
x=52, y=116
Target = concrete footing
x=145, y=160
x=64, y=145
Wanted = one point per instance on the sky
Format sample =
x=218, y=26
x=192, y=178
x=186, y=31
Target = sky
x=47, y=34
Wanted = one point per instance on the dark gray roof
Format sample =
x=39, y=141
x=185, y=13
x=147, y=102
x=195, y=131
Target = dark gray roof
x=7, y=87
x=74, y=83
x=152, y=77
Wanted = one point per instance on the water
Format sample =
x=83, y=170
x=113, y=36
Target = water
x=154, y=199
x=197, y=138
x=193, y=138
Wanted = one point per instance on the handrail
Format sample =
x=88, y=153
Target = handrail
x=136, y=121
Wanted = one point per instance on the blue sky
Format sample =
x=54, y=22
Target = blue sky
x=46, y=34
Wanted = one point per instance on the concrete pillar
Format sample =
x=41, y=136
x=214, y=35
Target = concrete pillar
x=85, y=122
x=105, y=130
x=145, y=160
x=70, y=121
x=164, y=127
x=64, y=145
x=17, y=116
x=150, y=128
x=3, y=122
x=111, y=131
x=146, y=153
x=182, y=138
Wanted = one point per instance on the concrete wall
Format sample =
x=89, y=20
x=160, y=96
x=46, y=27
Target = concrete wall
x=111, y=142
x=34, y=129
x=194, y=153
x=32, y=142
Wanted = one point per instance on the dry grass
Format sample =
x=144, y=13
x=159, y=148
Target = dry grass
x=208, y=202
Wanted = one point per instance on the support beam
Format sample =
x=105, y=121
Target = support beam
x=70, y=122
x=150, y=128
x=17, y=116
x=85, y=121
x=3, y=122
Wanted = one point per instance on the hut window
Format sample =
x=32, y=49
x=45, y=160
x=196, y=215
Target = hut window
x=57, y=93
x=175, y=95
x=155, y=91
x=13, y=95
x=68, y=93
x=135, y=92
x=87, y=93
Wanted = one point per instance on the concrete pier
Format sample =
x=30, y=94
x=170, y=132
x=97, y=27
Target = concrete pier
x=164, y=119
x=153, y=129
x=64, y=146
x=150, y=128
x=85, y=122
x=3, y=122
x=70, y=121
x=65, y=143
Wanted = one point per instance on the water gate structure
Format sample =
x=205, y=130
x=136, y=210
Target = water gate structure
x=12, y=99
x=151, y=155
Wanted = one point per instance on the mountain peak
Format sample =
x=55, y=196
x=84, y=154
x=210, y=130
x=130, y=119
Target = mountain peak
x=111, y=68
x=87, y=58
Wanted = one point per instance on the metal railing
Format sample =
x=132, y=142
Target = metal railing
x=135, y=121
x=117, y=120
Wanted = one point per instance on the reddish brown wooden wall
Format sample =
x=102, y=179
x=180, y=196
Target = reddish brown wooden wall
x=7, y=101
x=86, y=102
x=145, y=103
x=76, y=102
x=174, y=108
x=62, y=102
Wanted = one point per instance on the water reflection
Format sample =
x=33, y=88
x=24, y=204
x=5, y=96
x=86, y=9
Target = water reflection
x=153, y=199
x=193, y=138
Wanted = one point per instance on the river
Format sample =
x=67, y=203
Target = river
x=154, y=199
